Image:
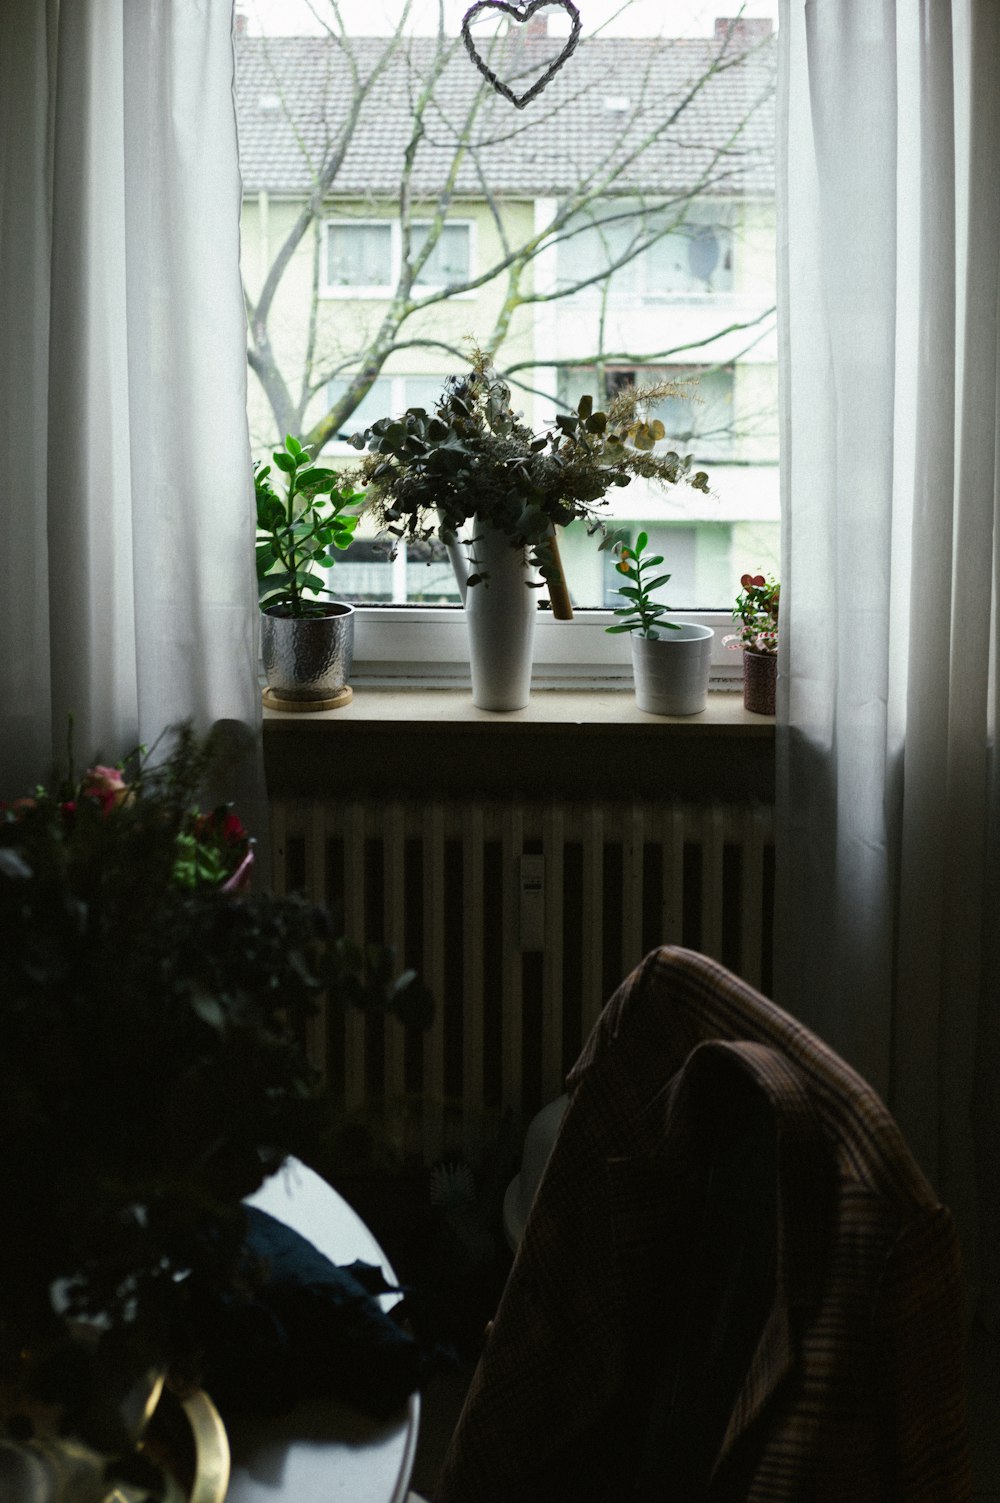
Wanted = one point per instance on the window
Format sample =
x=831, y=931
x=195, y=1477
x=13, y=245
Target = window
x=359, y=255
x=363, y=256
x=377, y=402
x=372, y=573
x=666, y=265
x=680, y=251
x=448, y=262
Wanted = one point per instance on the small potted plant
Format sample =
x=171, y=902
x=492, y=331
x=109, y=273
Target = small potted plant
x=307, y=644
x=671, y=671
x=472, y=473
x=756, y=609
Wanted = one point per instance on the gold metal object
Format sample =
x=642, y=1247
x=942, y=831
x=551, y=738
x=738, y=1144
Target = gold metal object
x=188, y=1440
x=211, y=1444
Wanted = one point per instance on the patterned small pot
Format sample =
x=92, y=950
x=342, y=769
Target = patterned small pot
x=760, y=674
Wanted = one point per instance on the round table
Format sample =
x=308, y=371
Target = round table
x=323, y=1452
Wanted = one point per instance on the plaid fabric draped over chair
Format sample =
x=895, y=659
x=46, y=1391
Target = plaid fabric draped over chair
x=734, y=1285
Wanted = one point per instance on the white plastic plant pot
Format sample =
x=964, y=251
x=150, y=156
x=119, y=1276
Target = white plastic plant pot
x=671, y=670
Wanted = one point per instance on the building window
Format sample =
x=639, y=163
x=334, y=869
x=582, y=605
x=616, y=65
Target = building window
x=359, y=255
x=364, y=256
x=656, y=254
x=448, y=262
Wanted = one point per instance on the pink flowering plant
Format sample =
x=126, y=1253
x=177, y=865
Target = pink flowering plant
x=68, y=824
x=756, y=609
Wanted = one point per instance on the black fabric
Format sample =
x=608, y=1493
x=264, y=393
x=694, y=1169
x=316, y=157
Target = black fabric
x=304, y=1329
x=723, y=1270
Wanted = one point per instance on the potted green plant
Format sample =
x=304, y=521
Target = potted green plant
x=151, y=1076
x=756, y=609
x=671, y=671
x=307, y=644
x=473, y=474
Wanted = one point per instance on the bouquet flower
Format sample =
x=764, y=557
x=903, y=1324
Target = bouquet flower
x=474, y=460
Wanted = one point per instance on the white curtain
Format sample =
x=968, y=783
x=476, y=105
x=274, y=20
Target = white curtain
x=888, y=929
x=126, y=492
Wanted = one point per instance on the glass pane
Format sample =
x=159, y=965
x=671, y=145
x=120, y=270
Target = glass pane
x=693, y=258
x=646, y=156
x=422, y=391
x=430, y=579
x=591, y=246
x=448, y=262
x=359, y=255
x=679, y=547
x=374, y=404
x=363, y=572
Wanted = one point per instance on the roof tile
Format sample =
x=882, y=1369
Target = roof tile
x=688, y=118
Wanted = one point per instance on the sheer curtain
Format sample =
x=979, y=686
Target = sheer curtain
x=125, y=505
x=889, y=249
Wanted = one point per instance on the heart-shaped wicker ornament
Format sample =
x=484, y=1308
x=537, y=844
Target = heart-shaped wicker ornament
x=521, y=13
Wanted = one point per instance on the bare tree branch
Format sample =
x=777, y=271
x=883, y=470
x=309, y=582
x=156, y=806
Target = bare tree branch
x=601, y=203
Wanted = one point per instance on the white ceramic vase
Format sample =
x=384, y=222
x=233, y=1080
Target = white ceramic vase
x=500, y=613
x=671, y=670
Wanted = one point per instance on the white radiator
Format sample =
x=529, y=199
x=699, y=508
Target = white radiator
x=522, y=918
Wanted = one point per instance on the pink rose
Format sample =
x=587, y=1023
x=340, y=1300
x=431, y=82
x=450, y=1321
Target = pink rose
x=105, y=784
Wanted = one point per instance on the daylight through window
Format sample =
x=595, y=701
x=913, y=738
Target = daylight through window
x=619, y=230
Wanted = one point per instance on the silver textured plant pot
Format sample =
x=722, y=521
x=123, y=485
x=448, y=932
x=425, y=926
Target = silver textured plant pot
x=671, y=671
x=310, y=658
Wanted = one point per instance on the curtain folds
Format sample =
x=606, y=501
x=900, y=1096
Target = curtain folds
x=126, y=508
x=888, y=940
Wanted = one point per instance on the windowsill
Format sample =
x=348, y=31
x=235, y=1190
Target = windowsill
x=420, y=742
x=591, y=711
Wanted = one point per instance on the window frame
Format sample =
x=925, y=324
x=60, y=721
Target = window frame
x=377, y=290
x=402, y=646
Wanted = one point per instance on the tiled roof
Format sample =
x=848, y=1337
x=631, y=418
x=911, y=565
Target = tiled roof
x=293, y=96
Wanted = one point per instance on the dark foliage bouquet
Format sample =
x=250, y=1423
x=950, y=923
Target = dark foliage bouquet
x=150, y=1074
x=473, y=459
